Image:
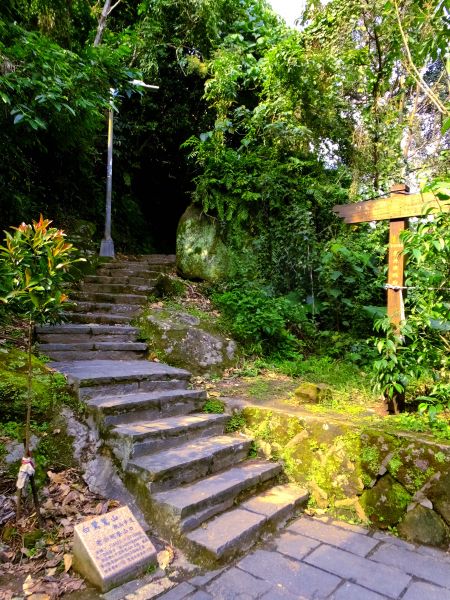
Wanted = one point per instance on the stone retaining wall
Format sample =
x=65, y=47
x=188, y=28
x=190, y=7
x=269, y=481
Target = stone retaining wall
x=392, y=480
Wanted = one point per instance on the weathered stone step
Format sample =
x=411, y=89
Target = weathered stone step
x=94, y=330
x=129, y=408
x=124, y=280
x=186, y=463
x=81, y=355
x=235, y=531
x=146, y=436
x=94, y=349
x=94, y=345
x=105, y=307
x=187, y=507
x=75, y=333
x=162, y=259
x=91, y=373
x=136, y=266
x=83, y=338
x=117, y=288
x=135, y=387
x=108, y=297
x=98, y=318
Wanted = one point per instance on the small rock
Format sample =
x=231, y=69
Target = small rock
x=313, y=392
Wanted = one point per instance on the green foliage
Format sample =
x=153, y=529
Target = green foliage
x=236, y=422
x=264, y=323
x=214, y=405
x=49, y=391
x=35, y=260
x=350, y=278
x=423, y=344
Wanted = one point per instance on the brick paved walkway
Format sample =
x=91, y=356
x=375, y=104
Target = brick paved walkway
x=313, y=559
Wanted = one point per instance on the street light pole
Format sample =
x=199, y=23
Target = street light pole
x=107, y=244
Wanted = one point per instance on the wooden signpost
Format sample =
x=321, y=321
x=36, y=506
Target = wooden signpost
x=396, y=208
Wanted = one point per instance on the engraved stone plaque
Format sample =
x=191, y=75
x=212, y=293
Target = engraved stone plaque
x=111, y=549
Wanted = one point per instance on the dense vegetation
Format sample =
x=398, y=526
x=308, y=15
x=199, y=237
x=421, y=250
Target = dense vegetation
x=266, y=128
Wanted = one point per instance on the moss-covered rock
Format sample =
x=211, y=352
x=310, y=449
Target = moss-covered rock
x=313, y=392
x=168, y=286
x=187, y=341
x=386, y=503
x=201, y=253
x=423, y=526
x=439, y=495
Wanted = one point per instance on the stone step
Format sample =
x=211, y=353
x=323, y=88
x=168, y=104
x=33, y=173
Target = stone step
x=75, y=333
x=150, y=274
x=146, y=436
x=189, y=462
x=186, y=508
x=233, y=532
x=105, y=308
x=80, y=355
x=98, y=318
x=162, y=259
x=94, y=330
x=92, y=373
x=134, y=387
x=130, y=408
x=92, y=345
x=108, y=297
x=82, y=338
x=95, y=350
x=123, y=280
x=136, y=265
x=117, y=288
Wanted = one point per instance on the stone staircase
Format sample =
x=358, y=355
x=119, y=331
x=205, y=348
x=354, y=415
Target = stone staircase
x=192, y=480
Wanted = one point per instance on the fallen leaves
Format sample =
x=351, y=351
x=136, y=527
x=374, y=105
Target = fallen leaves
x=165, y=557
x=43, y=557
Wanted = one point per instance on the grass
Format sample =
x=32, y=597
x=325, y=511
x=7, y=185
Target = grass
x=265, y=381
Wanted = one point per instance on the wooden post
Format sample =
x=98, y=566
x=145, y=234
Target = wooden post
x=396, y=208
x=396, y=265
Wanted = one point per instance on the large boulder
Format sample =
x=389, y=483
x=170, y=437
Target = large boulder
x=201, y=253
x=187, y=341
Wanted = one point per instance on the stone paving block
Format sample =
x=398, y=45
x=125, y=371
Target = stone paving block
x=343, y=524
x=201, y=595
x=434, y=552
x=178, y=593
x=280, y=593
x=335, y=536
x=391, y=539
x=419, y=590
x=379, y=578
x=297, y=578
x=295, y=545
x=151, y=590
x=351, y=591
x=235, y=584
x=200, y=580
x=414, y=563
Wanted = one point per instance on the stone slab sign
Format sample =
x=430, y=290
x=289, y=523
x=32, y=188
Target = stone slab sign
x=111, y=549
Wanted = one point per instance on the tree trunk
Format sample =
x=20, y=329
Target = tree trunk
x=102, y=22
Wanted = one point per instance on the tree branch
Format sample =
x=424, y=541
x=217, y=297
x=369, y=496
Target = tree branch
x=414, y=70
